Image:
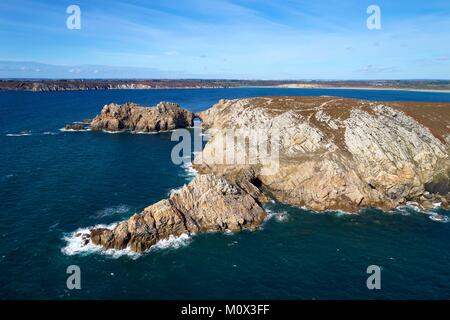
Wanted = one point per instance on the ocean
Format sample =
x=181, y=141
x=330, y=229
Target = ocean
x=52, y=183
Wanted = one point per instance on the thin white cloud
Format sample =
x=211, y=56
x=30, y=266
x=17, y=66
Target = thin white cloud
x=295, y=39
x=375, y=69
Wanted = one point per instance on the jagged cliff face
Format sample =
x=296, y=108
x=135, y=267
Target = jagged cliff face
x=337, y=153
x=333, y=153
x=132, y=117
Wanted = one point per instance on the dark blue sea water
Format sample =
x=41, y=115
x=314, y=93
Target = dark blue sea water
x=53, y=183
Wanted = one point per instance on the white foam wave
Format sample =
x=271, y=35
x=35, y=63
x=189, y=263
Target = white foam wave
x=189, y=169
x=73, y=130
x=341, y=213
x=414, y=207
x=18, y=134
x=436, y=215
x=77, y=245
x=143, y=132
x=110, y=211
x=172, y=242
x=25, y=134
x=439, y=218
x=407, y=209
x=151, y=132
x=172, y=191
x=336, y=212
x=113, y=132
x=281, y=216
x=437, y=204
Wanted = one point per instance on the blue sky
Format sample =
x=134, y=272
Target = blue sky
x=247, y=39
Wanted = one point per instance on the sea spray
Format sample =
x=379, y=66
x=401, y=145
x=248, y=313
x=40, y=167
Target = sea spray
x=279, y=216
x=75, y=244
x=172, y=242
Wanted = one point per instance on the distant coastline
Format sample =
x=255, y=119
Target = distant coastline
x=39, y=85
x=368, y=88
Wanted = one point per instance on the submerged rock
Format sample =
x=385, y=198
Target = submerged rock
x=75, y=127
x=132, y=117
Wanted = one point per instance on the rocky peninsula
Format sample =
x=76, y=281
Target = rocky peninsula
x=208, y=203
x=334, y=153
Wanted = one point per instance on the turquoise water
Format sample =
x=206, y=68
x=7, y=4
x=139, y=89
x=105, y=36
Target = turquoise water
x=53, y=183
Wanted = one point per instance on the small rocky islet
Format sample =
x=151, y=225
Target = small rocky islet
x=132, y=117
x=333, y=154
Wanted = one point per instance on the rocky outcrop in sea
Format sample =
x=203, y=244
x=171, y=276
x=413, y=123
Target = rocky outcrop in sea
x=132, y=117
x=208, y=203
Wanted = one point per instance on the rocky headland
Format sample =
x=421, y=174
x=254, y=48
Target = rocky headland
x=333, y=153
x=337, y=153
x=132, y=117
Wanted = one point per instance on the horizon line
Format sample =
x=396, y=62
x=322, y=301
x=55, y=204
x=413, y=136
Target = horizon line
x=220, y=79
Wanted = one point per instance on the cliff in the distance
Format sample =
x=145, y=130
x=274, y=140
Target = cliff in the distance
x=132, y=117
x=334, y=153
x=146, y=84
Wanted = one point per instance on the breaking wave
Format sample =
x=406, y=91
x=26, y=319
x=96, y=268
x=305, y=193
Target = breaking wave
x=46, y=133
x=76, y=244
x=189, y=171
x=113, y=132
x=172, y=242
x=436, y=215
x=439, y=218
x=141, y=132
x=279, y=216
x=408, y=208
x=23, y=134
x=73, y=130
x=172, y=191
x=412, y=208
x=339, y=213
